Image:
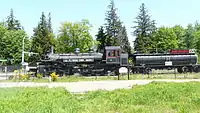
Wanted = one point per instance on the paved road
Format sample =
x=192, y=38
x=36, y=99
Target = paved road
x=85, y=86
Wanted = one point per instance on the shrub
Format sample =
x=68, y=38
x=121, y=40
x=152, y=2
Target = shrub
x=39, y=76
x=54, y=77
x=24, y=77
x=11, y=77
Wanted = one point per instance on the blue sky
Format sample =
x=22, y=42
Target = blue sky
x=165, y=12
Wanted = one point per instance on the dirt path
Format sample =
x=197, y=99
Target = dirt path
x=85, y=86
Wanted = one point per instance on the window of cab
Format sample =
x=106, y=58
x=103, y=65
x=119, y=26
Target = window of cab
x=113, y=53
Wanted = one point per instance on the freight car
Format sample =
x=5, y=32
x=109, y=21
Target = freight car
x=182, y=60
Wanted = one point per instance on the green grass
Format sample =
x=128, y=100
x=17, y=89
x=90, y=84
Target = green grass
x=151, y=98
x=124, y=77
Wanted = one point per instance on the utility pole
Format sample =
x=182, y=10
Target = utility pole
x=23, y=51
x=23, y=54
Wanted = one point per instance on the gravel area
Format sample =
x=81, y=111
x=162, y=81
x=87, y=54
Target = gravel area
x=85, y=86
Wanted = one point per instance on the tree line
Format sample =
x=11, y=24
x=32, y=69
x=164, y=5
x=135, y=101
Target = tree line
x=151, y=39
x=148, y=37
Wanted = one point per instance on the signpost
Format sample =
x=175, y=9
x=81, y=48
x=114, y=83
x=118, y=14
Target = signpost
x=23, y=52
x=124, y=70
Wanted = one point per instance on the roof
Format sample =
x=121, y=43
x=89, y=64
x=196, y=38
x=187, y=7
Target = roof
x=112, y=47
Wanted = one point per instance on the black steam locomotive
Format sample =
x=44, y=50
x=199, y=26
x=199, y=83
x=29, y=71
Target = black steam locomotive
x=93, y=63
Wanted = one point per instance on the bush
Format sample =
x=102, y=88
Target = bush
x=11, y=77
x=24, y=77
x=19, y=75
x=39, y=76
x=54, y=77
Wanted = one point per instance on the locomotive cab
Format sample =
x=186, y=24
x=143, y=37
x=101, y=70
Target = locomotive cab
x=114, y=55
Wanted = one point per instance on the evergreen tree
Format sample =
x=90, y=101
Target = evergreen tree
x=143, y=30
x=125, y=45
x=113, y=25
x=49, y=23
x=41, y=39
x=101, y=38
x=12, y=23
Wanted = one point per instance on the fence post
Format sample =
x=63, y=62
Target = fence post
x=128, y=72
x=175, y=72
x=6, y=72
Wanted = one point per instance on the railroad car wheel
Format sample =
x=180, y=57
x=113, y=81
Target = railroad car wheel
x=180, y=70
x=185, y=69
x=196, y=69
x=190, y=69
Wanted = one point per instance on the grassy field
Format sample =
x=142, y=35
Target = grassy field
x=151, y=98
x=122, y=77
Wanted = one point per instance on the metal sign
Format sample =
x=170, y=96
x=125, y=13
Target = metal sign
x=78, y=60
x=123, y=70
x=168, y=63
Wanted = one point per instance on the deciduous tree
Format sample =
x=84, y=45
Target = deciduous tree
x=11, y=44
x=165, y=39
x=180, y=33
x=74, y=35
x=189, y=38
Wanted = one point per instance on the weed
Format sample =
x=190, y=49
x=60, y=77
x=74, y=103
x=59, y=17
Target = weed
x=54, y=77
x=39, y=76
x=24, y=77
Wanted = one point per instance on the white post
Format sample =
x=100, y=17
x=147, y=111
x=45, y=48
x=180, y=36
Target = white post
x=23, y=50
x=23, y=54
x=6, y=72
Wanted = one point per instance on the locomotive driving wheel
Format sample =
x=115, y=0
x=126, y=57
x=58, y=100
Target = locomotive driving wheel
x=180, y=70
x=183, y=69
